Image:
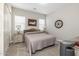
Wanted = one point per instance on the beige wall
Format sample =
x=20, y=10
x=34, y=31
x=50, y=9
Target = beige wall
x=1, y=27
x=70, y=17
x=7, y=26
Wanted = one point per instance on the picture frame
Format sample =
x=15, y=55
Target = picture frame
x=32, y=22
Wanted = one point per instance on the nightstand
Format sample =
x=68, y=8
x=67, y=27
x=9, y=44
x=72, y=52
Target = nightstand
x=18, y=38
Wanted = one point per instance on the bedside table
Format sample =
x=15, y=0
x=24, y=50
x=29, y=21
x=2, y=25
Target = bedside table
x=18, y=38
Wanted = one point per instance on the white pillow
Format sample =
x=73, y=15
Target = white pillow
x=35, y=32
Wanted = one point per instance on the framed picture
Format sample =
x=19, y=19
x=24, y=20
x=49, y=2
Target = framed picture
x=32, y=22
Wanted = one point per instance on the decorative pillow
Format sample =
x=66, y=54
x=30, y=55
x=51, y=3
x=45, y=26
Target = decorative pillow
x=35, y=32
x=32, y=30
x=77, y=43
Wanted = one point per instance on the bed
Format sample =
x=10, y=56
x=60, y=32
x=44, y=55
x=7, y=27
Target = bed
x=36, y=41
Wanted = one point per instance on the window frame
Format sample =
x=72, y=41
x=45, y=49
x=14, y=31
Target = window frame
x=17, y=17
x=44, y=25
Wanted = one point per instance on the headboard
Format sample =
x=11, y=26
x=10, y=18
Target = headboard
x=31, y=30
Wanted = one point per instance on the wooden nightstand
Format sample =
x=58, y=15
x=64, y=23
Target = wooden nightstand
x=18, y=38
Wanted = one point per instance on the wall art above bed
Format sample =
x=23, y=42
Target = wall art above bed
x=32, y=22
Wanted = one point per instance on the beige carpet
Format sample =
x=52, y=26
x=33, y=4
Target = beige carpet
x=21, y=50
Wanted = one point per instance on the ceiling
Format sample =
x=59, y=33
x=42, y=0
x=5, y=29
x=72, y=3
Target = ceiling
x=43, y=8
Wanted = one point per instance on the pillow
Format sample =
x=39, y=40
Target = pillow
x=36, y=32
x=32, y=30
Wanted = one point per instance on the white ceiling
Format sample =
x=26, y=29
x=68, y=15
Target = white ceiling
x=40, y=7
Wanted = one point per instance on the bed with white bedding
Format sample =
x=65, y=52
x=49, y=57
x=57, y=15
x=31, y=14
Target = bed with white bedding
x=37, y=41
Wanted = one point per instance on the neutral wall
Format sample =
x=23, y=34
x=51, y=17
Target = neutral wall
x=1, y=28
x=70, y=17
x=28, y=15
x=7, y=26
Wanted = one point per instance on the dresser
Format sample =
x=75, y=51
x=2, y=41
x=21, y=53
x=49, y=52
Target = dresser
x=18, y=38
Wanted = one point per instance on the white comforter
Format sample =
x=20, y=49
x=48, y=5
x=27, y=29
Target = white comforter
x=38, y=41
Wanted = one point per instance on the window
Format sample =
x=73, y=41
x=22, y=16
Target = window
x=41, y=24
x=19, y=23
